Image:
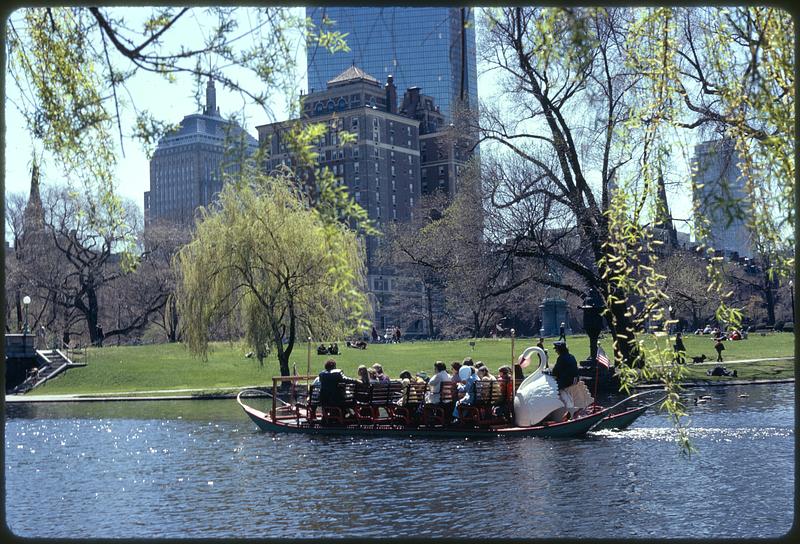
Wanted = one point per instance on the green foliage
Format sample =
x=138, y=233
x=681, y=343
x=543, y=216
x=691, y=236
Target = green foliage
x=264, y=258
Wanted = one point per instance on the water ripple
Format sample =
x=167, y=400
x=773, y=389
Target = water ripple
x=200, y=469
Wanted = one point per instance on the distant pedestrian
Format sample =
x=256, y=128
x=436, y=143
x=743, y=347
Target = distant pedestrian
x=719, y=346
x=374, y=335
x=680, y=349
x=397, y=335
x=562, y=331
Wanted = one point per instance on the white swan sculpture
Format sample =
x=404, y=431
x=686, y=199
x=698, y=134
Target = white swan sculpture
x=537, y=396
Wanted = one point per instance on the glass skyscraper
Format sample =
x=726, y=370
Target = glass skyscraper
x=420, y=47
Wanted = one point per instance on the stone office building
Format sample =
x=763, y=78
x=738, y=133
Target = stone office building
x=381, y=168
x=186, y=170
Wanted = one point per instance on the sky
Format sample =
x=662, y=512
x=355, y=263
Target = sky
x=172, y=101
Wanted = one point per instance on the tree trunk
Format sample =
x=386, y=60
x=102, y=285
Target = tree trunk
x=18, y=303
x=769, y=300
x=429, y=300
x=622, y=331
x=95, y=331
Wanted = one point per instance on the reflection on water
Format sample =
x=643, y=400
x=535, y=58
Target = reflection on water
x=202, y=469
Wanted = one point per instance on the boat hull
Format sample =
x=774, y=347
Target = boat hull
x=567, y=429
x=621, y=421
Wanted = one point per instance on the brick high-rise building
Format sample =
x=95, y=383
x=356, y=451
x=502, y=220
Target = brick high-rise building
x=382, y=167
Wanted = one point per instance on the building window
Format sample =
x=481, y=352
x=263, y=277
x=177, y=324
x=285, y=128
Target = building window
x=358, y=196
x=441, y=170
x=377, y=154
x=355, y=152
x=411, y=201
x=392, y=169
x=355, y=167
x=354, y=124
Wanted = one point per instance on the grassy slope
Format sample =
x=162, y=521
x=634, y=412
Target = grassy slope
x=170, y=366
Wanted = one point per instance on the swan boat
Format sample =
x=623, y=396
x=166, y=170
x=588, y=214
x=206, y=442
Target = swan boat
x=535, y=409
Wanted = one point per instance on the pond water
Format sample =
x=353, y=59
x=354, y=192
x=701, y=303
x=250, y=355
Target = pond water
x=197, y=469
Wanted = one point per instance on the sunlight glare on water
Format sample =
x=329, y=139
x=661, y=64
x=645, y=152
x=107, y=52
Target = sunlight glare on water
x=198, y=469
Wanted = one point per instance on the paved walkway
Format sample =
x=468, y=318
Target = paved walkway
x=157, y=394
x=714, y=363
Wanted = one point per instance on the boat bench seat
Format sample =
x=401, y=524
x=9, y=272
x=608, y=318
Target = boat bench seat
x=488, y=395
x=440, y=414
x=330, y=414
x=370, y=399
x=414, y=394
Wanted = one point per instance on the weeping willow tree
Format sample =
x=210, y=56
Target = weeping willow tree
x=728, y=73
x=265, y=258
x=597, y=99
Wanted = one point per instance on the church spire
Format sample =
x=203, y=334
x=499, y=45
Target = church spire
x=211, y=99
x=33, y=217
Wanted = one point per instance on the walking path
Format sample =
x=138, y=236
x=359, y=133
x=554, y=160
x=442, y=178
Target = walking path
x=181, y=394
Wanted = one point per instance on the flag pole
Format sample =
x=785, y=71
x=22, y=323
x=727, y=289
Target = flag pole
x=596, y=377
x=308, y=366
x=513, y=362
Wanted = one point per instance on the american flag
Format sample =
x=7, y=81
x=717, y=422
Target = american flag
x=602, y=358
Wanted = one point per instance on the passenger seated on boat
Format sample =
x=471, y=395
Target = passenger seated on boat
x=483, y=375
x=455, y=366
x=373, y=375
x=379, y=371
x=363, y=375
x=405, y=378
x=330, y=394
x=468, y=377
x=504, y=378
x=435, y=383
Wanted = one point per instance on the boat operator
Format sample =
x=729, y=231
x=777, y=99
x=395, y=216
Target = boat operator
x=565, y=371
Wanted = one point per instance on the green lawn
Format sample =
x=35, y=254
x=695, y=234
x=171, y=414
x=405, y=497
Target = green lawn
x=170, y=366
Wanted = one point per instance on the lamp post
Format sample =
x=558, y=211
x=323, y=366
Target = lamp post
x=26, y=300
x=791, y=292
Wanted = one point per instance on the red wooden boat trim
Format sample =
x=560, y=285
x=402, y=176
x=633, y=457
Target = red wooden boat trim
x=571, y=428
